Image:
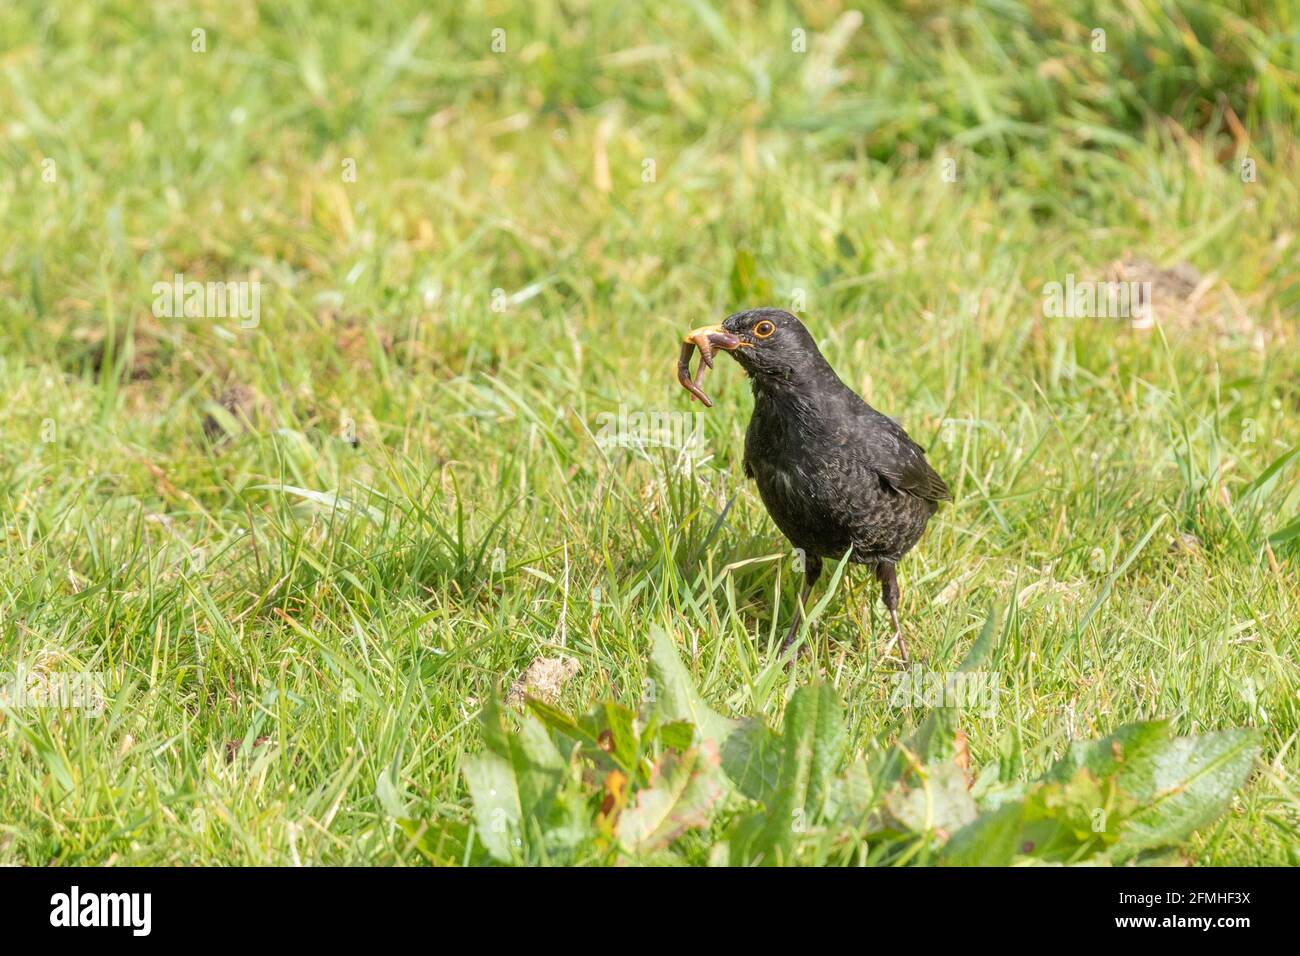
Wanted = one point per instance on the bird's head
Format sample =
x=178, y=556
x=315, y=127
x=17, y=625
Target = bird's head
x=771, y=345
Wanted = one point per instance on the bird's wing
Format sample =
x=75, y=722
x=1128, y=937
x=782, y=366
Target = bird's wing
x=890, y=452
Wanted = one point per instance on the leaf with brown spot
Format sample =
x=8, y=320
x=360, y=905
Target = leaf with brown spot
x=615, y=795
x=683, y=791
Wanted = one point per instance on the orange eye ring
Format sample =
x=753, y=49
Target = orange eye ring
x=764, y=329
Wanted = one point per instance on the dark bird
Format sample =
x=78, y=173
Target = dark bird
x=834, y=473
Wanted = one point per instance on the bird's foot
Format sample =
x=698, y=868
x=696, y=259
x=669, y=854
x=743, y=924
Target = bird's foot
x=902, y=646
x=898, y=637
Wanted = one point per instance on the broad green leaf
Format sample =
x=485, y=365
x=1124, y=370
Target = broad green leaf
x=513, y=781
x=1193, y=780
x=1129, y=753
x=569, y=823
x=935, y=798
x=813, y=745
x=1073, y=821
x=678, y=734
x=745, y=837
x=853, y=795
x=616, y=733
x=992, y=839
x=534, y=761
x=559, y=721
x=674, y=695
x=1060, y=822
x=751, y=758
x=495, y=795
x=608, y=733
x=992, y=789
x=1134, y=790
x=814, y=726
x=683, y=790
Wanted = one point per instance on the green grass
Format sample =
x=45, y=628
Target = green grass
x=477, y=512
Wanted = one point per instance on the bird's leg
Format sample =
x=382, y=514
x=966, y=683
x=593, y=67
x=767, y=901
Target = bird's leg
x=812, y=571
x=888, y=576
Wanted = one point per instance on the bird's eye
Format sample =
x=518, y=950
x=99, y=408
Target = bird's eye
x=764, y=329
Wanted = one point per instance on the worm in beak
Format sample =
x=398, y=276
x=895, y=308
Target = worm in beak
x=707, y=339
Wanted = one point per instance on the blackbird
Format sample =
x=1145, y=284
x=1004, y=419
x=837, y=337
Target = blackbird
x=834, y=473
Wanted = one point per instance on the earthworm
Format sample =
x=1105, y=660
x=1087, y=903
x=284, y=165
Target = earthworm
x=692, y=385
